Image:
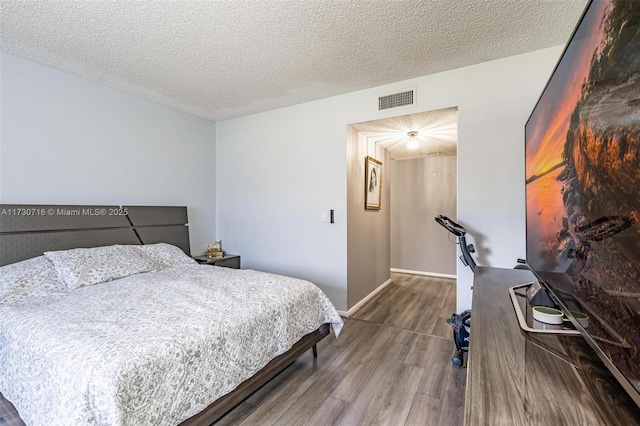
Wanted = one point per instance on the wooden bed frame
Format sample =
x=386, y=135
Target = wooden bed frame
x=27, y=231
x=222, y=405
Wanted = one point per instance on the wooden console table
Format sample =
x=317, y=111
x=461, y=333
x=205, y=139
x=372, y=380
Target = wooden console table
x=511, y=380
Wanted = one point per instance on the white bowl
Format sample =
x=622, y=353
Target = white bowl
x=548, y=315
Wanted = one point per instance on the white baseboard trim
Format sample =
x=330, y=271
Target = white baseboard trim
x=429, y=274
x=368, y=297
x=342, y=313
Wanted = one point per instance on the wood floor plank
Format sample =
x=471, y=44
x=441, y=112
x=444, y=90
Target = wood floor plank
x=356, y=354
x=409, y=308
x=384, y=340
x=385, y=304
x=350, y=333
x=406, y=337
x=429, y=288
x=386, y=358
x=420, y=352
x=412, y=302
x=425, y=411
x=401, y=308
x=329, y=412
x=310, y=401
x=442, y=329
x=354, y=380
x=294, y=384
x=365, y=406
x=378, y=309
x=449, y=305
x=403, y=280
x=452, y=410
x=396, y=406
x=431, y=315
x=434, y=379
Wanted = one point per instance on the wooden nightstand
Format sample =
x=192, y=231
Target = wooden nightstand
x=228, y=261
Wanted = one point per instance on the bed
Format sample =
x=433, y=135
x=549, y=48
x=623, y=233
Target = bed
x=174, y=342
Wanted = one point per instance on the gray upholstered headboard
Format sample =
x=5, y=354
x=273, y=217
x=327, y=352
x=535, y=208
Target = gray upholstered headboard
x=28, y=230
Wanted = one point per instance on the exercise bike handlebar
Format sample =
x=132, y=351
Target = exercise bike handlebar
x=459, y=231
x=455, y=228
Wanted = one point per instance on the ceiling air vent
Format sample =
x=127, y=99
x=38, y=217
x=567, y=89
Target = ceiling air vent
x=396, y=100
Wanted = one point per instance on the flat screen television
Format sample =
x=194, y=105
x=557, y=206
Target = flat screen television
x=582, y=162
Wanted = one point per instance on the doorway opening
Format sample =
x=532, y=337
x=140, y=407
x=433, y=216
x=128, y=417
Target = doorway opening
x=418, y=153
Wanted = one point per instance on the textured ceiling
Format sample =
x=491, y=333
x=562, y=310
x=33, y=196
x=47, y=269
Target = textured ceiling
x=226, y=59
x=437, y=133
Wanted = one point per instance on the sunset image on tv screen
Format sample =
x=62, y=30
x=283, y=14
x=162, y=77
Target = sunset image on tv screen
x=583, y=177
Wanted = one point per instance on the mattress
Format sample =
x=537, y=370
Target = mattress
x=153, y=348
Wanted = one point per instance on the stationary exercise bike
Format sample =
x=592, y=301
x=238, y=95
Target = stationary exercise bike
x=461, y=323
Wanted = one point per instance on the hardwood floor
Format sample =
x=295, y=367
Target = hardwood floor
x=391, y=365
x=414, y=302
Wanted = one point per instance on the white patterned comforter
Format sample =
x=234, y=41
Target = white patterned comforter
x=150, y=349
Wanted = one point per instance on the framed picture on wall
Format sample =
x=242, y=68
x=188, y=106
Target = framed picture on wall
x=372, y=183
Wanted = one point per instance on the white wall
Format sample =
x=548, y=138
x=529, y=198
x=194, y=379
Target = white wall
x=422, y=189
x=275, y=174
x=276, y=171
x=66, y=140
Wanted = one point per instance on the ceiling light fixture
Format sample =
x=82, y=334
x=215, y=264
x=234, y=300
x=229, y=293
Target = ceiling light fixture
x=413, y=142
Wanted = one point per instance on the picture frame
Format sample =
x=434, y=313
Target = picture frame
x=372, y=183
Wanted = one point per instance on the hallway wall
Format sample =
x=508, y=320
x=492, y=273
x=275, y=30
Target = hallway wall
x=368, y=236
x=420, y=190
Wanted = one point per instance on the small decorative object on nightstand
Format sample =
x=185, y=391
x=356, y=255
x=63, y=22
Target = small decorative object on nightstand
x=227, y=261
x=215, y=250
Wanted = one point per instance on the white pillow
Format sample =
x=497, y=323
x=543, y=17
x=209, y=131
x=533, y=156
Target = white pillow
x=166, y=255
x=88, y=266
x=31, y=277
